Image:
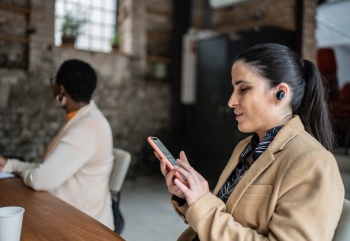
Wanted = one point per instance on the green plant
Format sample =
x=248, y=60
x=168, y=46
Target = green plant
x=115, y=39
x=71, y=26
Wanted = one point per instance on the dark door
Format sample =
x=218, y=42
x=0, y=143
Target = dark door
x=215, y=129
x=214, y=126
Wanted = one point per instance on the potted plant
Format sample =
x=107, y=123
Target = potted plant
x=70, y=29
x=115, y=41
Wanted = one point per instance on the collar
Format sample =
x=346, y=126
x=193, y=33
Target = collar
x=70, y=115
x=256, y=146
x=287, y=133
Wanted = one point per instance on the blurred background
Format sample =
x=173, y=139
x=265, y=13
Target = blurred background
x=163, y=69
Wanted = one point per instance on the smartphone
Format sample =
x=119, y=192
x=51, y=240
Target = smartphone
x=163, y=152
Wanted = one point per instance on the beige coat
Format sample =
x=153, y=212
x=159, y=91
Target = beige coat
x=293, y=192
x=78, y=165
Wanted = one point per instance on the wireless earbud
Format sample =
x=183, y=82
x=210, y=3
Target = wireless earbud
x=280, y=95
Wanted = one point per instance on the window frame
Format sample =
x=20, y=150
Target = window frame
x=95, y=34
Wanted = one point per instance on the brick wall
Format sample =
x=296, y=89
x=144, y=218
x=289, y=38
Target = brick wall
x=30, y=120
x=136, y=106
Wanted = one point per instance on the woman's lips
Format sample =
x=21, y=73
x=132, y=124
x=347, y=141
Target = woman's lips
x=238, y=116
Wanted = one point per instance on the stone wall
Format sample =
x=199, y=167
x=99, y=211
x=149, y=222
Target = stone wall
x=13, y=39
x=136, y=107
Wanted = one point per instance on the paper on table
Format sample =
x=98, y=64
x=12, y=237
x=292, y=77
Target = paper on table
x=6, y=175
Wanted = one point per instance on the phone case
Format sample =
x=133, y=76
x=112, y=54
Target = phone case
x=163, y=152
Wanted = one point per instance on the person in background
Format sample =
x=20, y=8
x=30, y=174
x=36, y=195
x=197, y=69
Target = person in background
x=78, y=162
x=281, y=183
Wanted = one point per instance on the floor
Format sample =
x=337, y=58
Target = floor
x=148, y=215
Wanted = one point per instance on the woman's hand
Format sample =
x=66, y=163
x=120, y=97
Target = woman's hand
x=3, y=161
x=169, y=178
x=196, y=185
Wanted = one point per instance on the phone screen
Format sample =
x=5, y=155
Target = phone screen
x=165, y=151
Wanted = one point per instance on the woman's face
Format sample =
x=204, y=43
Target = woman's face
x=252, y=101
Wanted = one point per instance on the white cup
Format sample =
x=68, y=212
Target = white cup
x=11, y=223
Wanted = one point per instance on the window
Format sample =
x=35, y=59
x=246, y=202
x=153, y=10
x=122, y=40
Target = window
x=99, y=19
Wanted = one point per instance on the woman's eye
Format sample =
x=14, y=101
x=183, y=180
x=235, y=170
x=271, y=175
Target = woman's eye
x=243, y=90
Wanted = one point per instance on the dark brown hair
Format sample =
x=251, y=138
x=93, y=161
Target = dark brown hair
x=278, y=63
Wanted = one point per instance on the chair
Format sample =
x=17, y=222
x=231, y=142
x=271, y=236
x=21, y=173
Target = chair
x=342, y=233
x=122, y=161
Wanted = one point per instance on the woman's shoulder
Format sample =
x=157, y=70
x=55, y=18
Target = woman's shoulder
x=90, y=122
x=305, y=140
x=306, y=151
x=93, y=115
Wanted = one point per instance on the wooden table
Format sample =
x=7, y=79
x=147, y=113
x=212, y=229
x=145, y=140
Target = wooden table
x=47, y=218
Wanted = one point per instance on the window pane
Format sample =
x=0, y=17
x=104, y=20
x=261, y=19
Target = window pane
x=83, y=43
x=109, y=4
x=100, y=19
x=59, y=9
x=96, y=16
x=106, y=33
x=96, y=4
x=109, y=18
x=58, y=38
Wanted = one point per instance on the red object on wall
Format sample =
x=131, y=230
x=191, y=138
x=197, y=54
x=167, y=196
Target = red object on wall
x=326, y=61
x=327, y=65
x=341, y=114
x=341, y=106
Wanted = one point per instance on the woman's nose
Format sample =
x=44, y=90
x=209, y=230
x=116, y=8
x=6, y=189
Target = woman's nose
x=232, y=102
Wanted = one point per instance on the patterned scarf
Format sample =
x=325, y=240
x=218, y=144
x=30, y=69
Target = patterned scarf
x=253, y=147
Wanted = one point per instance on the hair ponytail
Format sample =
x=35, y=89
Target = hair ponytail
x=278, y=63
x=313, y=109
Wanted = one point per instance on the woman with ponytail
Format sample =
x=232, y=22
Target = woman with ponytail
x=281, y=183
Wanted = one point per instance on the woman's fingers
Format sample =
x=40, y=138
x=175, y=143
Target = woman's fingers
x=192, y=192
x=191, y=172
x=169, y=177
x=183, y=156
x=184, y=189
x=156, y=154
x=172, y=187
x=163, y=167
x=196, y=185
x=3, y=161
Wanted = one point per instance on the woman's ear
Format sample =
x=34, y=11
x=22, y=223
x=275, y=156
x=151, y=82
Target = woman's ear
x=282, y=91
x=62, y=90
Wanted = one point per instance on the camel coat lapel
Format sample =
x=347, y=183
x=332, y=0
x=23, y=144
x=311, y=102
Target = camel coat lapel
x=263, y=162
